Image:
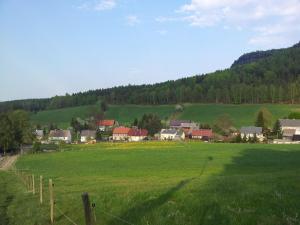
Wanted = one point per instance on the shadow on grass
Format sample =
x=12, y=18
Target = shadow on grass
x=260, y=186
x=136, y=213
x=5, y=203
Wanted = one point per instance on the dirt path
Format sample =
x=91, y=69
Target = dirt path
x=8, y=161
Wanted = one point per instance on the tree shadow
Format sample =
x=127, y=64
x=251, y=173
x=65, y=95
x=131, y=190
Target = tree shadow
x=136, y=213
x=259, y=186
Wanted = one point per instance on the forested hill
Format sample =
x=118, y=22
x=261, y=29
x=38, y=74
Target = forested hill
x=272, y=78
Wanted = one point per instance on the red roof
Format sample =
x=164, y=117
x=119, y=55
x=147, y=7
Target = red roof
x=202, y=132
x=121, y=130
x=106, y=123
x=138, y=132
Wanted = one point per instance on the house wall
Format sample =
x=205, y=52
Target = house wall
x=120, y=137
x=136, y=138
x=167, y=136
x=260, y=137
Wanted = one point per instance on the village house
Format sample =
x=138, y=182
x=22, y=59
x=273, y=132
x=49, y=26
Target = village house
x=251, y=132
x=202, y=134
x=135, y=134
x=60, y=136
x=121, y=134
x=87, y=136
x=106, y=125
x=290, y=129
x=172, y=134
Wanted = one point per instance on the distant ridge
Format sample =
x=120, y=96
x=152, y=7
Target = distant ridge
x=259, y=77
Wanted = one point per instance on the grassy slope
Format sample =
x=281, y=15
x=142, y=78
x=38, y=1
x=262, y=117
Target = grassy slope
x=205, y=113
x=61, y=117
x=175, y=183
x=241, y=114
x=127, y=113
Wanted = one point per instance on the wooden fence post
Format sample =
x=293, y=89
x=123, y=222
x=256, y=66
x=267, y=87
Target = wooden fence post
x=41, y=189
x=33, y=184
x=87, y=209
x=51, y=201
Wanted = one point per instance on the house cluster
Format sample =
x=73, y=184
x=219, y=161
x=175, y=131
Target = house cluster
x=185, y=129
x=177, y=130
x=290, y=129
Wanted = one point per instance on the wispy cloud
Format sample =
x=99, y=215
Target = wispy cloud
x=98, y=5
x=268, y=19
x=132, y=20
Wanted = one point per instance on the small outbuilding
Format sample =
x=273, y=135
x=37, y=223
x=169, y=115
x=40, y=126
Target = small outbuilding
x=87, y=135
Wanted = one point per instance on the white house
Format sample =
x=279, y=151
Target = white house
x=87, y=135
x=121, y=134
x=172, y=134
x=290, y=128
x=251, y=132
x=60, y=135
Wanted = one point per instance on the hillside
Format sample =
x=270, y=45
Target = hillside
x=261, y=77
x=203, y=113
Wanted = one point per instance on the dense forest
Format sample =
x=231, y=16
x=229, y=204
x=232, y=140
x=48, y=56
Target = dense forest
x=261, y=77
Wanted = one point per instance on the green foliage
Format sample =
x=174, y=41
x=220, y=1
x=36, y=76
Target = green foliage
x=264, y=118
x=238, y=138
x=223, y=125
x=294, y=115
x=37, y=146
x=15, y=130
x=150, y=122
x=104, y=106
x=277, y=130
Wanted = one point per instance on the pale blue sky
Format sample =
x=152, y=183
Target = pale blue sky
x=55, y=47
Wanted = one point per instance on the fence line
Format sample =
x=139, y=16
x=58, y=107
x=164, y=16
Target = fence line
x=28, y=179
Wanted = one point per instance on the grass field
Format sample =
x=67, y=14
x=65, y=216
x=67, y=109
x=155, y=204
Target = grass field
x=242, y=115
x=204, y=113
x=61, y=117
x=165, y=183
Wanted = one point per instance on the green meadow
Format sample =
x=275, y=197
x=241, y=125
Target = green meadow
x=242, y=115
x=170, y=183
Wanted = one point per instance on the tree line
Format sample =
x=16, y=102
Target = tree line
x=273, y=79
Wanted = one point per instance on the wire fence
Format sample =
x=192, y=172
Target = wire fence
x=60, y=210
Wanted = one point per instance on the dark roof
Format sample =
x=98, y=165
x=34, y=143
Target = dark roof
x=202, y=132
x=138, y=132
x=88, y=133
x=251, y=130
x=59, y=133
x=168, y=131
x=289, y=123
x=177, y=123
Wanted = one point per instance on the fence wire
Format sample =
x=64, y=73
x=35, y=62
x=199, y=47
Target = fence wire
x=62, y=204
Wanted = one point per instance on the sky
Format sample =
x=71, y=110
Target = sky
x=55, y=47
